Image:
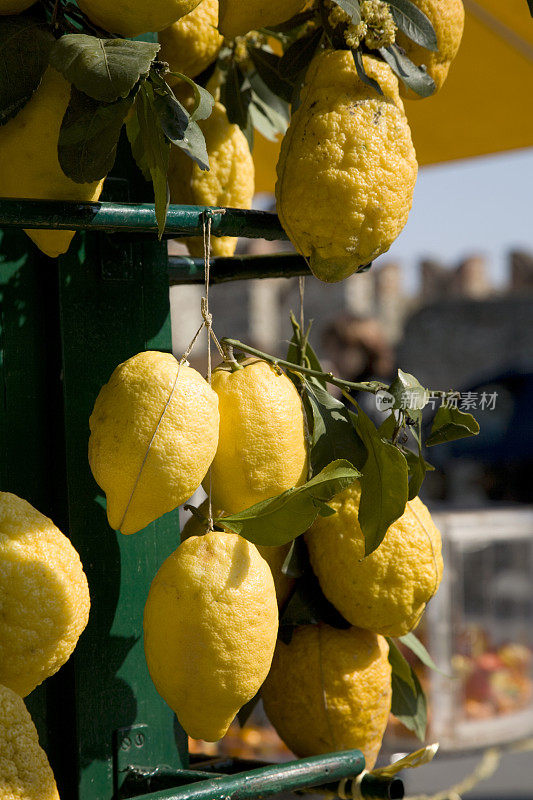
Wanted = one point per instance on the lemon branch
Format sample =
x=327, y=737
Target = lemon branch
x=365, y=386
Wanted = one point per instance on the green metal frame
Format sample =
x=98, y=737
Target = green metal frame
x=64, y=325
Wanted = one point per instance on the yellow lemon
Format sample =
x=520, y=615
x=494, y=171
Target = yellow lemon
x=25, y=773
x=29, y=165
x=448, y=19
x=237, y=18
x=210, y=627
x=134, y=17
x=261, y=448
x=330, y=690
x=229, y=181
x=44, y=597
x=386, y=592
x=347, y=166
x=154, y=432
x=193, y=42
x=274, y=556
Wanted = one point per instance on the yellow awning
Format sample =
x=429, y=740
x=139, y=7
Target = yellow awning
x=486, y=104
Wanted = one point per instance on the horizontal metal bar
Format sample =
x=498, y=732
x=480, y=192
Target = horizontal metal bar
x=137, y=218
x=182, y=269
x=266, y=781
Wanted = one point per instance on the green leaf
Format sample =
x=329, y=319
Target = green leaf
x=359, y=66
x=384, y=485
x=333, y=434
x=156, y=151
x=267, y=66
x=409, y=395
x=418, y=467
x=292, y=23
x=262, y=122
x=275, y=106
x=301, y=353
x=416, y=647
x=203, y=100
x=416, y=78
x=236, y=95
x=530, y=6
x=283, y=518
x=265, y=116
x=414, y=23
x=352, y=8
x=450, y=424
x=105, y=69
x=177, y=124
x=299, y=55
x=409, y=704
x=89, y=135
x=133, y=131
x=296, y=561
x=25, y=43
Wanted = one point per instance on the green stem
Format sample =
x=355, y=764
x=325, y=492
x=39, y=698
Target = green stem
x=366, y=386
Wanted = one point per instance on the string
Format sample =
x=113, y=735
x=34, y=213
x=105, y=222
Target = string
x=301, y=289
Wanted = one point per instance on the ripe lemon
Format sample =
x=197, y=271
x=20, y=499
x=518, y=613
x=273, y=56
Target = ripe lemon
x=210, y=627
x=237, y=18
x=44, y=597
x=448, y=19
x=347, y=166
x=14, y=6
x=330, y=690
x=274, y=556
x=134, y=17
x=29, y=165
x=386, y=592
x=154, y=433
x=25, y=773
x=229, y=181
x=193, y=42
x=261, y=447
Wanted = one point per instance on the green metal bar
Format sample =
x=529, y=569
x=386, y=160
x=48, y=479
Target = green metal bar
x=302, y=774
x=137, y=218
x=185, y=270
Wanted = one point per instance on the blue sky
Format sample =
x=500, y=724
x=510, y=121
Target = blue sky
x=482, y=205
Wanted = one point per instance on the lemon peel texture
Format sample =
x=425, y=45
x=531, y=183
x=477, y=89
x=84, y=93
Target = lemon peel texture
x=448, y=19
x=44, y=596
x=347, y=166
x=144, y=477
x=237, y=18
x=229, y=181
x=261, y=448
x=25, y=773
x=386, y=592
x=330, y=690
x=29, y=165
x=210, y=627
x=134, y=17
x=193, y=42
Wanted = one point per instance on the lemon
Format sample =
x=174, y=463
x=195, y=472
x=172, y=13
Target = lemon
x=44, y=597
x=347, y=166
x=210, y=626
x=14, y=6
x=274, y=556
x=261, y=447
x=330, y=690
x=29, y=165
x=237, y=17
x=154, y=432
x=386, y=592
x=193, y=42
x=134, y=17
x=25, y=773
x=229, y=181
x=448, y=19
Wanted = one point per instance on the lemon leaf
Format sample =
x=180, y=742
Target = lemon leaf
x=301, y=353
x=267, y=66
x=308, y=606
x=352, y=8
x=359, y=66
x=299, y=55
x=414, y=23
x=281, y=519
x=409, y=394
x=236, y=96
x=416, y=78
x=399, y=664
x=155, y=149
x=409, y=703
x=416, y=647
x=450, y=424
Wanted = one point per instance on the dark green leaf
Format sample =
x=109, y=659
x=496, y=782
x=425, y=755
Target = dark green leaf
x=308, y=606
x=450, y=424
x=203, y=100
x=89, y=136
x=283, y=518
x=244, y=713
x=267, y=66
x=133, y=131
x=530, y=6
x=297, y=560
x=236, y=95
x=177, y=124
x=384, y=485
x=275, y=106
x=292, y=23
x=262, y=122
x=105, y=69
x=352, y=8
x=332, y=434
x=416, y=78
x=418, y=467
x=409, y=394
x=25, y=43
x=387, y=427
x=413, y=23
x=156, y=149
x=359, y=66
x=408, y=699
x=416, y=647
x=299, y=55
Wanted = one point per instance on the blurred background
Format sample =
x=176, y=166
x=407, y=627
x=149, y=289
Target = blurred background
x=451, y=302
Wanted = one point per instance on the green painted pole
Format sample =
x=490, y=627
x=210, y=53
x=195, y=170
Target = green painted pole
x=185, y=270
